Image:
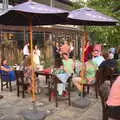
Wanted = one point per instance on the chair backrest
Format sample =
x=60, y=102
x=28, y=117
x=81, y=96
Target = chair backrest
x=19, y=76
x=99, y=77
x=104, y=92
x=4, y=75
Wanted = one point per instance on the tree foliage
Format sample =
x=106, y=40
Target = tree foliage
x=109, y=35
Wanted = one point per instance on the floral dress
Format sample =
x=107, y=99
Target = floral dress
x=28, y=74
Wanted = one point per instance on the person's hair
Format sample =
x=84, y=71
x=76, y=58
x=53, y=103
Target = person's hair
x=26, y=42
x=106, y=55
x=35, y=46
x=3, y=59
x=58, y=63
x=64, y=54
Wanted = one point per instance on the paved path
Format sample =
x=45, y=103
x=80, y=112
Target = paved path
x=11, y=108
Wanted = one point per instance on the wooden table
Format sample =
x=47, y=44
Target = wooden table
x=47, y=75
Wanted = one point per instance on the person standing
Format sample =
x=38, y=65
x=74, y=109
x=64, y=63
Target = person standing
x=36, y=55
x=26, y=50
x=56, y=51
x=87, y=51
x=71, y=50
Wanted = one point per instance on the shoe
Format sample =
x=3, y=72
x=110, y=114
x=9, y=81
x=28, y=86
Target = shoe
x=65, y=93
x=52, y=94
x=1, y=96
x=79, y=94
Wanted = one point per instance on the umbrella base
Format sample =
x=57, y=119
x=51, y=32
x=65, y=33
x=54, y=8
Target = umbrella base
x=34, y=115
x=81, y=102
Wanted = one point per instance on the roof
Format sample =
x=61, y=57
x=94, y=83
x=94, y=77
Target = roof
x=65, y=2
x=62, y=1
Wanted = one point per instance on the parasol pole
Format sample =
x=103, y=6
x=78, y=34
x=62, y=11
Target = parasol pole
x=83, y=41
x=82, y=102
x=33, y=74
x=34, y=114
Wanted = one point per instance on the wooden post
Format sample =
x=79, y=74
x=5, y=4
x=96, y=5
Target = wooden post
x=83, y=55
x=33, y=74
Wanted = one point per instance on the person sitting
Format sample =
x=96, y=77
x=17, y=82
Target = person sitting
x=113, y=102
x=109, y=62
x=58, y=70
x=26, y=50
x=68, y=63
x=89, y=71
x=5, y=67
x=28, y=74
x=97, y=58
x=78, y=66
x=1, y=96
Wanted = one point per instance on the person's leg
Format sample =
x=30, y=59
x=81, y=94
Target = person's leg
x=77, y=83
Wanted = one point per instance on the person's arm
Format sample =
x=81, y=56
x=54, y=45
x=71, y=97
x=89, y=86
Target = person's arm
x=73, y=65
x=86, y=47
x=5, y=69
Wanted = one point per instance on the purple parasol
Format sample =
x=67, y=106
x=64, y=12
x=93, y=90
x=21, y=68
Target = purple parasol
x=40, y=14
x=89, y=16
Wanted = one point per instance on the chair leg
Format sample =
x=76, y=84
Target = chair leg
x=105, y=116
x=1, y=85
x=88, y=88
x=56, y=95
x=49, y=89
x=46, y=79
x=18, y=89
x=10, y=86
x=83, y=95
x=23, y=94
x=96, y=91
x=7, y=84
x=69, y=100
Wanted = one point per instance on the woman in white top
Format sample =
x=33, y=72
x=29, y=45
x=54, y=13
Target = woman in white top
x=36, y=55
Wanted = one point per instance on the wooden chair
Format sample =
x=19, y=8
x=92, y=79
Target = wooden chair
x=108, y=74
x=5, y=80
x=52, y=86
x=20, y=83
x=104, y=92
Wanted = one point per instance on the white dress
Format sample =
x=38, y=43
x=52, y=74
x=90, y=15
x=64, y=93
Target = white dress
x=36, y=56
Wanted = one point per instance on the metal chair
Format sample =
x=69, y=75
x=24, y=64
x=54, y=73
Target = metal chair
x=5, y=80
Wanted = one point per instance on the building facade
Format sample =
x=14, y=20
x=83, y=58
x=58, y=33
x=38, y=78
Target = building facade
x=43, y=36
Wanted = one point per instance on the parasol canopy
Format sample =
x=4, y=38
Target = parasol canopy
x=89, y=16
x=41, y=14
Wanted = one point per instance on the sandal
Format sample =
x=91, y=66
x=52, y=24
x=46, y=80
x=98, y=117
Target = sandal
x=1, y=96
